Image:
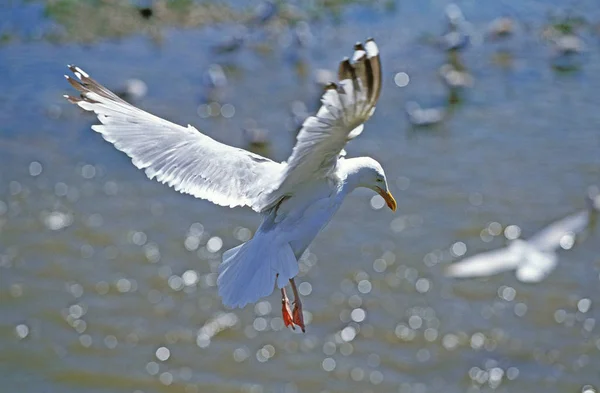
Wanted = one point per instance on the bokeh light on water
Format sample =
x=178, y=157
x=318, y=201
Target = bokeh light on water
x=108, y=280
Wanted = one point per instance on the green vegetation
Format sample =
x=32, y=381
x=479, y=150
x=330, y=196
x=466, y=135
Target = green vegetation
x=90, y=20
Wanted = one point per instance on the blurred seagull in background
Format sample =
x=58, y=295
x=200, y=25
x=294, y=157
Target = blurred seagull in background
x=423, y=117
x=214, y=77
x=457, y=35
x=214, y=81
x=134, y=89
x=567, y=51
x=567, y=44
x=323, y=76
x=296, y=198
x=254, y=136
x=233, y=42
x=264, y=12
x=455, y=78
x=535, y=258
x=500, y=28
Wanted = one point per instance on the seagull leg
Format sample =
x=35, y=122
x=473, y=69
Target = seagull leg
x=286, y=311
x=298, y=318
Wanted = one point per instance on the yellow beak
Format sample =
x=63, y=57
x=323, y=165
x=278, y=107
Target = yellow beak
x=388, y=197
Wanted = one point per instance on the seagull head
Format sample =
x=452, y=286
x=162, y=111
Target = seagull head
x=368, y=173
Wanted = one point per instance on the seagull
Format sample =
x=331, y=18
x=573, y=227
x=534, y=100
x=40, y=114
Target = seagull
x=566, y=52
x=264, y=12
x=455, y=77
x=568, y=44
x=134, y=89
x=457, y=35
x=535, y=258
x=254, y=136
x=500, y=28
x=423, y=117
x=295, y=198
x=232, y=43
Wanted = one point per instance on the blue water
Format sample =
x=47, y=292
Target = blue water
x=87, y=307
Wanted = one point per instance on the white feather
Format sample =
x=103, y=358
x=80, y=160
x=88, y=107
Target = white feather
x=183, y=157
x=342, y=114
x=550, y=237
x=533, y=259
x=249, y=271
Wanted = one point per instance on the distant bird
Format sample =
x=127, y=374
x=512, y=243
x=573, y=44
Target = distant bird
x=455, y=78
x=214, y=77
x=302, y=34
x=566, y=52
x=324, y=77
x=264, y=12
x=214, y=81
x=567, y=44
x=532, y=259
x=457, y=35
x=134, y=89
x=423, y=117
x=296, y=198
x=500, y=28
x=254, y=136
x=232, y=43
x=454, y=15
x=454, y=41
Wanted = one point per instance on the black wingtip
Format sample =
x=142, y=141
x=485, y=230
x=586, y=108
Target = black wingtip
x=71, y=99
x=345, y=69
x=79, y=73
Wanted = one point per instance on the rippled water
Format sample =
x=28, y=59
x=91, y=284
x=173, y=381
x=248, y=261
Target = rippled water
x=107, y=279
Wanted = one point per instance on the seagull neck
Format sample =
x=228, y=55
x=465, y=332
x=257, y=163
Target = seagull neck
x=351, y=182
x=350, y=173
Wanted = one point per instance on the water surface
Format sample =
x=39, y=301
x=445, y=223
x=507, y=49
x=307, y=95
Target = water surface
x=107, y=279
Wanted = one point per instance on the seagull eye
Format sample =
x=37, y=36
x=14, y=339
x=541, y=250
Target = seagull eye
x=379, y=180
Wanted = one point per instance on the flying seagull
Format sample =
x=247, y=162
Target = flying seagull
x=296, y=198
x=535, y=258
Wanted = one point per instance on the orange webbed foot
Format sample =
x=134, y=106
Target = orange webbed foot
x=286, y=311
x=298, y=317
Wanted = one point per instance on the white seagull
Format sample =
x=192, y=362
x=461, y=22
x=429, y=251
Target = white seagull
x=535, y=258
x=296, y=198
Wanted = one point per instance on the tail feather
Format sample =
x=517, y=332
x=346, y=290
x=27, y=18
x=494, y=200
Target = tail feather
x=251, y=270
x=286, y=265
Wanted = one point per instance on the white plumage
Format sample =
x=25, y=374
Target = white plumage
x=296, y=198
x=532, y=259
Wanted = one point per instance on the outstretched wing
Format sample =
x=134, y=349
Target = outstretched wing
x=486, y=263
x=345, y=107
x=550, y=238
x=182, y=157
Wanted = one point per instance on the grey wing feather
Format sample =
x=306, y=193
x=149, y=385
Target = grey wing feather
x=182, y=157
